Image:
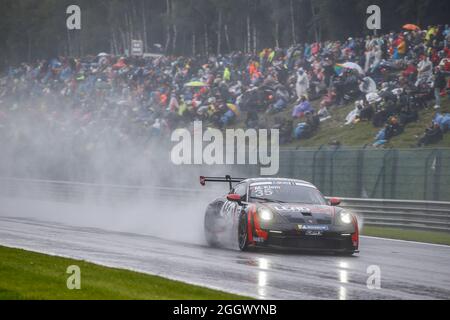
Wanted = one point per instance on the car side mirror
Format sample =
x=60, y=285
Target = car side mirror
x=234, y=198
x=335, y=201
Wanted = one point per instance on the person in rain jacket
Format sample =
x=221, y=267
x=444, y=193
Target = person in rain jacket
x=305, y=129
x=400, y=47
x=302, y=84
x=432, y=134
x=439, y=85
x=443, y=120
x=271, y=56
x=377, y=54
x=281, y=98
x=367, y=85
x=380, y=138
x=430, y=33
x=425, y=70
x=227, y=74
x=302, y=108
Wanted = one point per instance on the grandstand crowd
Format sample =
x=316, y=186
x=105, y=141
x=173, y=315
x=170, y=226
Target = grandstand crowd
x=91, y=99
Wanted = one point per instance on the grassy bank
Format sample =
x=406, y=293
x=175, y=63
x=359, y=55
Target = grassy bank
x=29, y=275
x=410, y=235
x=364, y=133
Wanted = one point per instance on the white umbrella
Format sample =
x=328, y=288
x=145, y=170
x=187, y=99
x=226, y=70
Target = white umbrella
x=102, y=54
x=354, y=66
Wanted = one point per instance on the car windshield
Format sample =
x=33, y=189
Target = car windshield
x=286, y=192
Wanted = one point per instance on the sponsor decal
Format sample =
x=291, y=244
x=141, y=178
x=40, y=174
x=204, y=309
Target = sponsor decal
x=317, y=227
x=260, y=183
x=288, y=208
x=259, y=239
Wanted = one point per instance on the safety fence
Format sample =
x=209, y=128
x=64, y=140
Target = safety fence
x=404, y=174
x=405, y=214
x=416, y=174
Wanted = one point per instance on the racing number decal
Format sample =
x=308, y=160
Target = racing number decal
x=264, y=191
x=261, y=192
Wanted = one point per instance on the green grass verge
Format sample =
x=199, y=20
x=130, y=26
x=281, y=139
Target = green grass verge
x=364, y=132
x=356, y=135
x=29, y=275
x=410, y=235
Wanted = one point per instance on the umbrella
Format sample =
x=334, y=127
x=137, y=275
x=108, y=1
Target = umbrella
x=102, y=54
x=338, y=68
x=120, y=64
x=353, y=66
x=195, y=84
x=233, y=108
x=411, y=27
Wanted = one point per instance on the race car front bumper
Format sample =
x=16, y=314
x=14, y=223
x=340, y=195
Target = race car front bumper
x=326, y=242
x=331, y=238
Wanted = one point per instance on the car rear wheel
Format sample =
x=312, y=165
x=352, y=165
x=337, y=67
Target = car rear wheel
x=211, y=239
x=243, y=233
x=210, y=228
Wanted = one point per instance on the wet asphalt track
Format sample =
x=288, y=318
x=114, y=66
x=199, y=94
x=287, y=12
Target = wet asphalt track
x=408, y=270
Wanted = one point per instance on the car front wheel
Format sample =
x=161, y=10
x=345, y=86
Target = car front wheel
x=243, y=233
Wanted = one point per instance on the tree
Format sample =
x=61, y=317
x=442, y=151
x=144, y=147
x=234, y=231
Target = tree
x=31, y=29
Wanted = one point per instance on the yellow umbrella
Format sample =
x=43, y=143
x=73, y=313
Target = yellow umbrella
x=234, y=108
x=195, y=84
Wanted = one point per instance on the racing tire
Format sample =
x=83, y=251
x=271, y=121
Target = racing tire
x=211, y=239
x=243, y=233
x=209, y=224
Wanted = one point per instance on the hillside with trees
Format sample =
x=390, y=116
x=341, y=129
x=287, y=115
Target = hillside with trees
x=35, y=29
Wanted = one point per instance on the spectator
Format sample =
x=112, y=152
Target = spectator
x=303, y=107
x=443, y=120
x=135, y=97
x=433, y=134
x=305, y=129
x=302, y=85
x=367, y=85
x=425, y=70
x=438, y=86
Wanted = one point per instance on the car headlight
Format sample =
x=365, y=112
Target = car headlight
x=345, y=217
x=265, y=214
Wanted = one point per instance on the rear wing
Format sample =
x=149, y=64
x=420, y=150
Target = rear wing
x=227, y=178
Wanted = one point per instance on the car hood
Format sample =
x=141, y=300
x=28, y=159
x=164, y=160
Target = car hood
x=303, y=213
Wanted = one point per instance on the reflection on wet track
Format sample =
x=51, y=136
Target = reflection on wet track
x=408, y=270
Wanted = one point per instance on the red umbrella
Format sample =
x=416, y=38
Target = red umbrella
x=120, y=64
x=411, y=27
